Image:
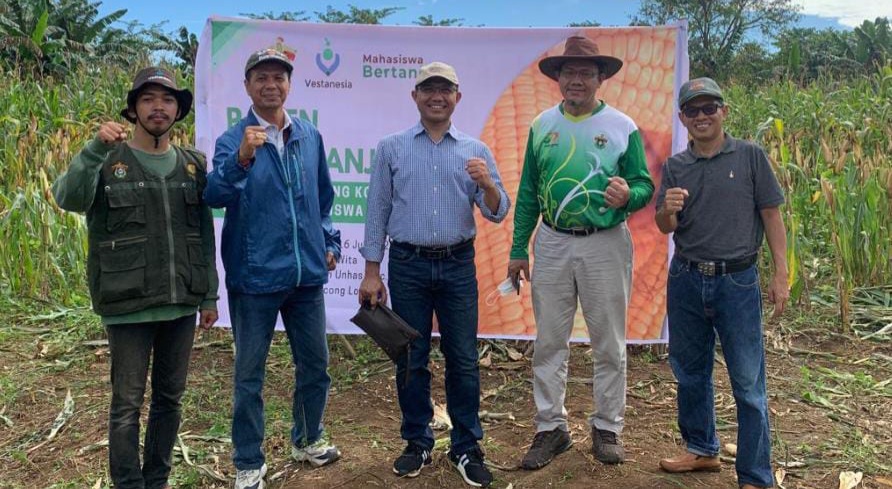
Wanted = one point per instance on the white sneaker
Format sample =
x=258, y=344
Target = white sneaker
x=317, y=454
x=250, y=479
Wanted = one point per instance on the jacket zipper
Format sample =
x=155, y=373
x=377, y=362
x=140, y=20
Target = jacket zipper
x=290, y=183
x=172, y=269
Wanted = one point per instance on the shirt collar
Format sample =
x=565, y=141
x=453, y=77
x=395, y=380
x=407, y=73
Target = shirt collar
x=729, y=146
x=419, y=129
x=264, y=123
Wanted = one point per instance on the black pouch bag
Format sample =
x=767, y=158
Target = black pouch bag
x=387, y=329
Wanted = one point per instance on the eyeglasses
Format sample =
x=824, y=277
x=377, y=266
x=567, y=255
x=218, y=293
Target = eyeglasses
x=708, y=109
x=438, y=89
x=582, y=74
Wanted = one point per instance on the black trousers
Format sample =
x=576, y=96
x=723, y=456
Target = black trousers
x=168, y=344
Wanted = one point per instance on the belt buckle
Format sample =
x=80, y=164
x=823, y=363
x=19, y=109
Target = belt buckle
x=437, y=254
x=706, y=268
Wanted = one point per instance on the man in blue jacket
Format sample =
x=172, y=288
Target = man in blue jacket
x=278, y=246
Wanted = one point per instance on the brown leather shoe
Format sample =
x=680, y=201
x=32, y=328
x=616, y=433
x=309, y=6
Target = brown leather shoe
x=690, y=462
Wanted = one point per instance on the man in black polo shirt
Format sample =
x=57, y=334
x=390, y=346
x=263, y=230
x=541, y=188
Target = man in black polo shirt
x=719, y=197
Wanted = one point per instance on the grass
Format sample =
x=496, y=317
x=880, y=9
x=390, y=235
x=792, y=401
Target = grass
x=829, y=143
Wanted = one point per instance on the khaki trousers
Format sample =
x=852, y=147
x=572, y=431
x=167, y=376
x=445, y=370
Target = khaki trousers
x=596, y=271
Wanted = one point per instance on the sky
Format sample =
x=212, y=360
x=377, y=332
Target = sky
x=840, y=14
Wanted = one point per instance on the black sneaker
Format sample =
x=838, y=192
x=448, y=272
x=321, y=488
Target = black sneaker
x=607, y=447
x=470, y=466
x=546, y=446
x=413, y=459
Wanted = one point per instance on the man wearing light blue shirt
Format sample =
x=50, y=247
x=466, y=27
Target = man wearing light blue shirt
x=424, y=186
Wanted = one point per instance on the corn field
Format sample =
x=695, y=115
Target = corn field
x=830, y=143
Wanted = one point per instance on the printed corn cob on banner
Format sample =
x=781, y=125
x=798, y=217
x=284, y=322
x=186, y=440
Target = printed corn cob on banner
x=643, y=89
x=354, y=83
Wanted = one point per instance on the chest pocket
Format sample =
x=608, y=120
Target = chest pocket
x=193, y=209
x=126, y=208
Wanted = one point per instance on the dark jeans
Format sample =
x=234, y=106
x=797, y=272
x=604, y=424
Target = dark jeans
x=700, y=307
x=420, y=287
x=168, y=344
x=253, y=322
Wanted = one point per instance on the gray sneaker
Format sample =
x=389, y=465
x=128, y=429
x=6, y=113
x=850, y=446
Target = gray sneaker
x=607, y=447
x=317, y=454
x=250, y=479
x=546, y=445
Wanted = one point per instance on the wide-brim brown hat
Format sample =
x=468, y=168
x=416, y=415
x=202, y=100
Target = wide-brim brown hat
x=164, y=78
x=580, y=48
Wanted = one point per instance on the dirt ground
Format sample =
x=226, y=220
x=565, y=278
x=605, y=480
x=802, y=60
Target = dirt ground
x=821, y=427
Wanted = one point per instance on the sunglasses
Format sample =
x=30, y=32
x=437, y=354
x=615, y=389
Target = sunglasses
x=708, y=109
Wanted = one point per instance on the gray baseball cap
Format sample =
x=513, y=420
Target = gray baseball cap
x=697, y=87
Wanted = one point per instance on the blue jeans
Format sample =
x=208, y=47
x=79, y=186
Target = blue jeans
x=420, y=287
x=700, y=307
x=168, y=345
x=253, y=322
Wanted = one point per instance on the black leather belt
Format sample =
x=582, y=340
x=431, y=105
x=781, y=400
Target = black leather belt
x=573, y=231
x=713, y=268
x=434, y=252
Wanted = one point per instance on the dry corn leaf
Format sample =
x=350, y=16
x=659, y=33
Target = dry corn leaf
x=849, y=480
x=63, y=417
x=883, y=481
x=486, y=360
x=779, y=476
x=441, y=419
x=514, y=354
x=731, y=449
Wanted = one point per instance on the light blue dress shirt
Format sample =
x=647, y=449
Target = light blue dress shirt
x=420, y=191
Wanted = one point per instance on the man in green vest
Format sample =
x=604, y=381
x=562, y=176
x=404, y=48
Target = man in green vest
x=151, y=266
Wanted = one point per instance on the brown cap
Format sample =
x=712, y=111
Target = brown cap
x=579, y=48
x=436, y=70
x=162, y=77
x=268, y=54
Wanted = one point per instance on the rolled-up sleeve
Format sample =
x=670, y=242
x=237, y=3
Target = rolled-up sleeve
x=504, y=200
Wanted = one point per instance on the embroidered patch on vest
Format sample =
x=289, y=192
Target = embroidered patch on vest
x=120, y=169
x=191, y=170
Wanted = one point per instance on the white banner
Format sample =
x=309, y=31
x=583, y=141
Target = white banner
x=354, y=82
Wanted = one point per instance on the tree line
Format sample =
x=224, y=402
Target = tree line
x=747, y=41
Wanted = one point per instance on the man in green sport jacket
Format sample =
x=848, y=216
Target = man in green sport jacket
x=584, y=173
x=151, y=266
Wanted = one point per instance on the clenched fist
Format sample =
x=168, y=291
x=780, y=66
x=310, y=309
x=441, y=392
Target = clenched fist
x=111, y=132
x=616, y=195
x=479, y=172
x=254, y=138
x=674, y=200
